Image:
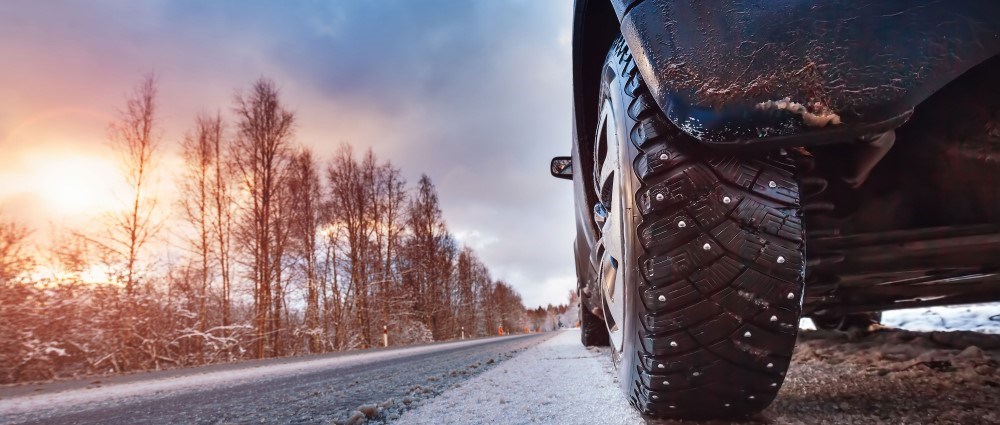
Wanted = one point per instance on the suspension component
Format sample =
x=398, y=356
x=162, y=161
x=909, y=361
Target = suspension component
x=867, y=154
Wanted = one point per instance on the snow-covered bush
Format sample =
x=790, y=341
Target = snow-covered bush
x=407, y=331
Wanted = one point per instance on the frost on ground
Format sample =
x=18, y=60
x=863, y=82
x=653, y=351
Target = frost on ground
x=414, y=396
x=556, y=382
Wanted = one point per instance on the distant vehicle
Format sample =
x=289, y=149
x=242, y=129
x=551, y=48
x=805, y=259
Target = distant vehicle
x=740, y=164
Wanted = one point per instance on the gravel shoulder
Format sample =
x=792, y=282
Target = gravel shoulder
x=894, y=376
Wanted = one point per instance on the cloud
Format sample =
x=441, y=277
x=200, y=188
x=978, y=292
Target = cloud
x=475, y=94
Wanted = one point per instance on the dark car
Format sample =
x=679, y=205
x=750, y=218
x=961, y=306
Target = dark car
x=738, y=165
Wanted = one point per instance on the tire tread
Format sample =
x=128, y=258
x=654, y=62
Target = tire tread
x=717, y=296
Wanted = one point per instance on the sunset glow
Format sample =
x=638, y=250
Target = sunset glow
x=72, y=184
x=94, y=275
x=69, y=67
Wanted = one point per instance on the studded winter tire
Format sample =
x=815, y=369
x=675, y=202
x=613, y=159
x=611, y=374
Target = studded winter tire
x=701, y=259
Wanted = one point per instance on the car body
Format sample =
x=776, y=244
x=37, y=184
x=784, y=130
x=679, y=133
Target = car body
x=717, y=68
x=743, y=59
x=891, y=108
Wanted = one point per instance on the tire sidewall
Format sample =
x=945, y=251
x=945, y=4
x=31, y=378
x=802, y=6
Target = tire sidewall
x=613, y=89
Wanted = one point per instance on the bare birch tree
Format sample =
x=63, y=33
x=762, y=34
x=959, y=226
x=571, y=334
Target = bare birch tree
x=348, y=204
x=430, y=254
x=388, y=206
x=469, y=272
x=334, y=299
x=264, y=132
x=222, y=206
x=199, y=150
x=306, y=201
x=135, y=138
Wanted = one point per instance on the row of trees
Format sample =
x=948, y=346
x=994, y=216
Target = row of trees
x=554, y=317
x=282, y=254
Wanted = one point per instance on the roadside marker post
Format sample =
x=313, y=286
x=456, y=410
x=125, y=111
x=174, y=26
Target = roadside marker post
x=385, y=335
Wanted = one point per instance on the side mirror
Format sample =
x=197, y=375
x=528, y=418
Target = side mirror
x=562, y=167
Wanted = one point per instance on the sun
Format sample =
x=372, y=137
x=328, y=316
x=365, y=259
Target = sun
x=63, y=184
x=75, y=184
x=54, y=165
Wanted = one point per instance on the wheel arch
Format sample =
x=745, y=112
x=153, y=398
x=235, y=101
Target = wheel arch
x=701, y=62
x=595, y=27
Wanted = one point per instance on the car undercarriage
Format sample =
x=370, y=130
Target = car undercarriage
x=914, y=222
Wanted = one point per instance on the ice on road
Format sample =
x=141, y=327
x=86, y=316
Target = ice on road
x=556, y=382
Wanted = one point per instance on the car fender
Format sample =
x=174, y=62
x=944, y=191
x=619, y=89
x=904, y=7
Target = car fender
x=794, y=72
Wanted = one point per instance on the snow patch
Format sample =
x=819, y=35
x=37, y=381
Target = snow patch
x=57, y=351
x=975, y=317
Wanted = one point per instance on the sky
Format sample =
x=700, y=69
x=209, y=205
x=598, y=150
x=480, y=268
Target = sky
x=476, y=94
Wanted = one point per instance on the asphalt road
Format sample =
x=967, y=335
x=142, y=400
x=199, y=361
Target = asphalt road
x=317, y=389
x=893, y=376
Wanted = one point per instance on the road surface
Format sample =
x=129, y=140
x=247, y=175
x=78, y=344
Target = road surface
x=893, y=377
x=311, y=390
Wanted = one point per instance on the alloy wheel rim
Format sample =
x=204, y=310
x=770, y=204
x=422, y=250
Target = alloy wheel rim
x=608, y=214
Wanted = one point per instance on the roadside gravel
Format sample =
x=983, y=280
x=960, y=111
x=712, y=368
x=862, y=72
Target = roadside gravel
x=891, y=377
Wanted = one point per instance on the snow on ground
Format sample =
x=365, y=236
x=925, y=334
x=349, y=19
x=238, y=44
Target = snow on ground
x=86, y=398
x=977, y=317
x=556, y=382
x=974, y=317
